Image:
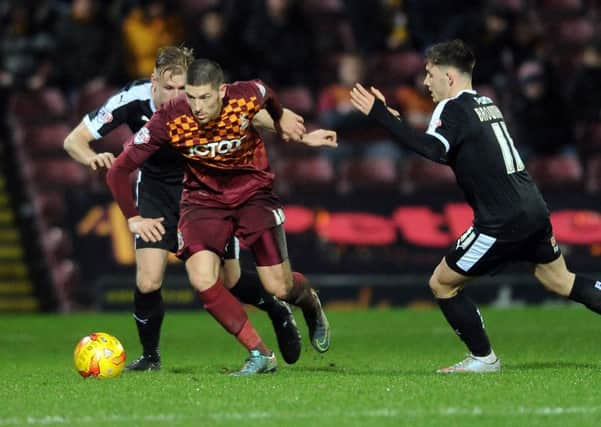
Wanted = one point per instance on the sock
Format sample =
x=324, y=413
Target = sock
x=250, y=290
x=149, y=313
x=491, y=358
x=588, y=292
x=464, y=317
x=228, y=311
x=301, y=296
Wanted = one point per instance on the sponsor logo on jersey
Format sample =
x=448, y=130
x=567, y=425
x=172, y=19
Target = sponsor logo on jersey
x=212, y=149
x=180, y=240
x=466, y=239
x=244, y=121
x=142, y=136
x=261, y=89
x=554, y=244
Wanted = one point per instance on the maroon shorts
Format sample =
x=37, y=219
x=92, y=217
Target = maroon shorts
x=211, y=228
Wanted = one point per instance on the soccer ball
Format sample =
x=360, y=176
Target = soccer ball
x=99, y=355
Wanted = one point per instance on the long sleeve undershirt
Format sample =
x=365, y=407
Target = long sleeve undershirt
x=422, y=143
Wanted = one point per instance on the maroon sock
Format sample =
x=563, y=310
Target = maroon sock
x=300, y=294
x=228, y=311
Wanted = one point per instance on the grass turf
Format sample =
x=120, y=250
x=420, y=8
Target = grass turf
x=379, y=371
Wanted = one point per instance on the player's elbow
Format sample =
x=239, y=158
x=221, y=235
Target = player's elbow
x=69, y=144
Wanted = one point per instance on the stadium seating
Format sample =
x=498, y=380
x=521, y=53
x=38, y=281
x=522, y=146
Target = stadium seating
x=556, y=171
x=32, y=107
x=593, y=174
x=46, y=139
x=377, y=173
x=305, y=173
x=418, y=173
x=298, y=99
x=57, y=173
x=92, y=97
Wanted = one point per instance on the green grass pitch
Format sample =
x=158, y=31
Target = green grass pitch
x=378, y=372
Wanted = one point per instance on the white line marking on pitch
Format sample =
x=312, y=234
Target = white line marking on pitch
x=372, y=413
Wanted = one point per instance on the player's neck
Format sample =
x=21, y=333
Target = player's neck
x=460, y=87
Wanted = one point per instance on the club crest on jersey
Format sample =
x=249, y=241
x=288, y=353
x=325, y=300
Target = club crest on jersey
x=103, y=117
x=243, y=122
x=142, y=136
x=554, y=244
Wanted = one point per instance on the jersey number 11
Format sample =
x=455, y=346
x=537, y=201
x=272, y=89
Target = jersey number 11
x=511, y=157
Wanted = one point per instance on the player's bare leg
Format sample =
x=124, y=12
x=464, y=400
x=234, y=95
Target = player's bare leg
x=247, y=287
x=556, y=277
x=148, y=306
x=204, y=273
x=295, y=289
x=465, y=319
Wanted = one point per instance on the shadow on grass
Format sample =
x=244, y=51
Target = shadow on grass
x=536, y=366
x=333, y=369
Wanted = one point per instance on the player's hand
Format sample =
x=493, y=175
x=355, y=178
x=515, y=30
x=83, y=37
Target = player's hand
x=362, y=99
x=320, y=138
x=149, y=229
x=101, y=160
x=291, y=126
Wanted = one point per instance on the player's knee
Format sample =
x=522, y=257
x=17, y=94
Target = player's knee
x=230, y=279
x=147, y=284
x=441, y=290
x=278, y=284
x=559, y=284
x=231, y=274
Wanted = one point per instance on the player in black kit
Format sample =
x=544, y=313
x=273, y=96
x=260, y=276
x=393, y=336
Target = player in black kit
x=511, y=220
x=158, y=190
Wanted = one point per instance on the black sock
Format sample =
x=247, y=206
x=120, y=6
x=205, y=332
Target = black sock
x=149, y=313
x=588, y=292
x=250, y=290
x=464, y=317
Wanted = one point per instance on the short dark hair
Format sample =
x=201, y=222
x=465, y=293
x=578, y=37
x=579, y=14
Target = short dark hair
x=173, y=58
x=204, y=71
x=454, y=53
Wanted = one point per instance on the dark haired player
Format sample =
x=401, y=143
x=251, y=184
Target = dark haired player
x=227, y=190
x=158, y=190
x=511, y=220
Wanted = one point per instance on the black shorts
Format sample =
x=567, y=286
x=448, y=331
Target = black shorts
x=476, y=254
x=155, y=199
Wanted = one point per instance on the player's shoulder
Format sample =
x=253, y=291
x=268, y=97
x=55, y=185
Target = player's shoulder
x=129, y=97
x=137, y=90
x=246, y=88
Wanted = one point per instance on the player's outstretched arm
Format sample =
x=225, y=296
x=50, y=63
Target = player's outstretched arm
x=319, y=138
x=373, y=104
x=293, y=126
x=77, y=145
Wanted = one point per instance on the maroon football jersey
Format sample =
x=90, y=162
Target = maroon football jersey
x=225, y=159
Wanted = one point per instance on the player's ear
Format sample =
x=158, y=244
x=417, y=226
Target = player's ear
x=222, y=91
x=153, y=80
x=450, y=78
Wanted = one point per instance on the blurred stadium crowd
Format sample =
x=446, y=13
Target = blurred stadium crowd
x=539, y=59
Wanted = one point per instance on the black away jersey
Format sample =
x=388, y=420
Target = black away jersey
x=133, y=106
x=506, y=202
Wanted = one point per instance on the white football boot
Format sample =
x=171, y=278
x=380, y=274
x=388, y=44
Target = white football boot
x=474, y=365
